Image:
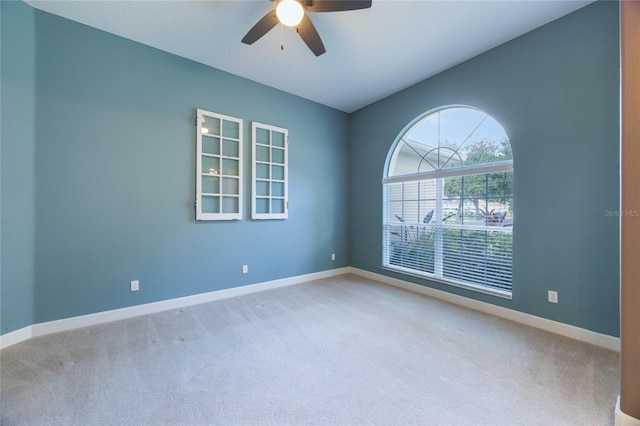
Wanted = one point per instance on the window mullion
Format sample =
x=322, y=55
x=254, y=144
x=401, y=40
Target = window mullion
x=486, y=234
x=438, y=229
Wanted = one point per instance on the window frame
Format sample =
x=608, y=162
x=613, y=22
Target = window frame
x=270, y=180
x=439, y=225
x=201, y=115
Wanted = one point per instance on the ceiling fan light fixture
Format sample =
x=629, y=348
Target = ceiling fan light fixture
x=289, y=12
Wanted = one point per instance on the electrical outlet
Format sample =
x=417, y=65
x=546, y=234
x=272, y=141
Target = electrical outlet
x=245, y=269
x=333, y=256
x=553, y=296
x=135, y=285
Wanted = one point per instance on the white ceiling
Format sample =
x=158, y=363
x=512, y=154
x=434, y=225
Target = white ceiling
x=371, y=53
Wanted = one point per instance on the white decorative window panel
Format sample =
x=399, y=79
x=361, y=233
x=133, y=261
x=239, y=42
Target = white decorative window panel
x=269, y=172
x=218, y=167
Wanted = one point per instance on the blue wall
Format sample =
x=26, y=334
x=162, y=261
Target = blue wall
x=111, y=150
x=17, y=166
x=556, y=92
x=98, y=153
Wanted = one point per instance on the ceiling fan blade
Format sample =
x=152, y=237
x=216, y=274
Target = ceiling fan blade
x=310, y=36
x=338, y=5
x=261, y=28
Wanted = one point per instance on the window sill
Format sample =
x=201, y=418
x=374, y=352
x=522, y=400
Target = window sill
x=467, y=286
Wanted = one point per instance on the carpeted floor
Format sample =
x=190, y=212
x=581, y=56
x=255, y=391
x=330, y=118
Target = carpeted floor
x=340, y=351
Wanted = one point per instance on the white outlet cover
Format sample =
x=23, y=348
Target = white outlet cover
x=553, y=296
x=245, y=269
x=135, y=285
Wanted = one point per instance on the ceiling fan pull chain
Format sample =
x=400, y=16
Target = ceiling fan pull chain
x=281, y=37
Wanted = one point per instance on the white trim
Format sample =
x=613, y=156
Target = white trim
x=602, y=340
x=65, y=324
x=498, y=166
x=622, y=419
x=448, y=281
x=577, y=333
x=16, y=336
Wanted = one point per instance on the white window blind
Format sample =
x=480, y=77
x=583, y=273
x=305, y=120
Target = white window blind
x=424, y=234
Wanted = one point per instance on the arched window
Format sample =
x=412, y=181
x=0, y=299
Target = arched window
x=448, y=201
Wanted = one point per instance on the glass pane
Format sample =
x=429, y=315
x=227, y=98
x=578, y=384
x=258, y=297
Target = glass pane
x=230, y=205
x=277, y=172
x=229, y=167
x=395, y=211
x=487, y=197
x=411, y=191
x=411, y=158
x=394, y=191
x=210, y=165
x=277, y=205
x=262, y=205
x=452, y=190
x=277, y=156
x=472, y=212
x=500, y=185
x=262, y=171
x=427, y=200
x=210, y=184
x=210, y=126
x=277, y=139
x=230, y=148
x=454, y=250
x=450, y=138
x=262, y=153
x=481, y=257
x=210, y=204
x=413, y=247
x=410, y=213
x=262, y=136
x=450, y=211
x=450, y=158
x=210, y=145
x=262, y=188
x=452, y=187
x=427, y=211
x=230, y=129
x=277, y=189
x=230, y=186
x=497, y=214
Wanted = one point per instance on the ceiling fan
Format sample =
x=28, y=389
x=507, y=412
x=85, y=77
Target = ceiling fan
x=292, y=13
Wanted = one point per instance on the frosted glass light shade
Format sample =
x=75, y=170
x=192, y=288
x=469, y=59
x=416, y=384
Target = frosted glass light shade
x=290, y=12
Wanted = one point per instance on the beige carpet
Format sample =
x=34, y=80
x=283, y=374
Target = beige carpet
x=337, y=351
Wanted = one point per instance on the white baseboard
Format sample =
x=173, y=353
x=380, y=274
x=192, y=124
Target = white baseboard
x=16, y=336
x=65, y=324
x=41, y=329
x=622, y=419
x=577, y=333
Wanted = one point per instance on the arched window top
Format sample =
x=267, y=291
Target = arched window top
x=447, y=140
